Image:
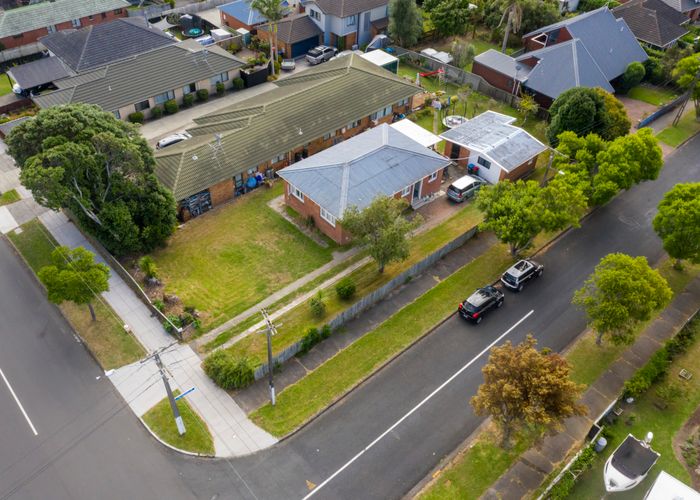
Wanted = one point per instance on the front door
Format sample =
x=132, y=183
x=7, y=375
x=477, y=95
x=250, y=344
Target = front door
x=416, y=190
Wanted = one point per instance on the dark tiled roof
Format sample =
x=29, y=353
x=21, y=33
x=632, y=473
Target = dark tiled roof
x=344, y=8
x=39, y=72
x=295, y=29
x=682, y=5
x=101, y=44
x=652, y=21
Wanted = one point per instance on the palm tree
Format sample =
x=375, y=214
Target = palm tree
x=273, y=11
x=513, y=11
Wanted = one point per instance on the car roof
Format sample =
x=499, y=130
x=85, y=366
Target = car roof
x=519, y=268
x=465, y=181
x=480, y=296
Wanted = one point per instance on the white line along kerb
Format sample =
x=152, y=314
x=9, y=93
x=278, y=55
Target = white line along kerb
x=18, y=403
x=415, y=408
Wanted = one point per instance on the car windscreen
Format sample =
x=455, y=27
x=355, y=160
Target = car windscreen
x=314, y=53
x=509, y=278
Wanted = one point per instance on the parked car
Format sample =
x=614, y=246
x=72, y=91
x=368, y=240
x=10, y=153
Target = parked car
x=480, y=302
x=320, y=54
x=464, y=188
x=520, y=273
x=288, y=65
x=172, y=139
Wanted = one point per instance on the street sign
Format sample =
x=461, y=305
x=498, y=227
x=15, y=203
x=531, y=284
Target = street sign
x=184, y=394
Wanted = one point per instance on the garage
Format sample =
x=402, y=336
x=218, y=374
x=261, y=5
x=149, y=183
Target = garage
x=297, y=35
x=301, y=48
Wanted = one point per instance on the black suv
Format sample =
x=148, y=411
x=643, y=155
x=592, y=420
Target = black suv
x=522, y=271
x=482, y=300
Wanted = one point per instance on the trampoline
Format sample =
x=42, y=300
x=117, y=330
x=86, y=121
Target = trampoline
x=193, y=32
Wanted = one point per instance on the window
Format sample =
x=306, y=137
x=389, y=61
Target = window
x=381, y=113
x=406, y=190
x=221, y=77
x=298, y=194
x=189, y=88
x=18, y=36
x=51, y=28
x=75, y=23
x=327, y=136
x=278, y=159
x=117, y=115
x=327, y=216
x=432, y=177
x=354, y=124
x=403, y=102
x=104, y=15
x=484, y=163
x=253, y=171
x=140, y=106
x=90, y=17
x=165, y=96
x=350, y=21
x=315, y=14
x=117, y=11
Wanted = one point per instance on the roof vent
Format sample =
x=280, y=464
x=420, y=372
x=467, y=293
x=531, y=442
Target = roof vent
x=195, y=157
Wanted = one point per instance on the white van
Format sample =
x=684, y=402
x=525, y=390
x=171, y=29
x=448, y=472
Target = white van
x=464, y=188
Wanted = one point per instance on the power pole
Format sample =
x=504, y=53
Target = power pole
x=688, y=95
x=173, y=405
x=270, y=330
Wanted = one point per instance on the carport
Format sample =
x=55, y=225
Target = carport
x=39, y=73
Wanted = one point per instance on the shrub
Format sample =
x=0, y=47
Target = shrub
x=220, y=88
x=148, y=266
x=157, y=112
x=563, y=487
x=136, y=117
x=654, y=71
x=632, y=76
x=159, y=304
x=238, y=83
x=655, y=369
x=317, y=306
x=671, y=392
x=345, y=288
x=171, y=107
x=187, y=100
x=312, y=337
x=172, y=324
x=202, y=95
x=228, y=372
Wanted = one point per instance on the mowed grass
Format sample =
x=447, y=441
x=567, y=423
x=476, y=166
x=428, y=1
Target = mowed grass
x=652, y=94
x=224, y=262
x=5, y=84
x=197, y=438
x=321, y=387
x=8, y=197
x=296, y=322
x=687, y=127
x=110, y=344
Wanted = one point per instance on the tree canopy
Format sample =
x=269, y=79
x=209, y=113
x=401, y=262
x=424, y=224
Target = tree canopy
x=451, y=17
x=678, y=222
x=405, y=22
x=382, y=228
x=685, y=73
x=83, y=159
x=523, y=386
x=633, y=75
x=74, y=276
x=621, y=292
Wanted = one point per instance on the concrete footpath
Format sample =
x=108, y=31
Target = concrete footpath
x=140, y=385
x=538, y=462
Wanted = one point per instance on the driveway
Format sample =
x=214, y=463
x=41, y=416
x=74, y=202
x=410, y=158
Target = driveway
x=636, y=110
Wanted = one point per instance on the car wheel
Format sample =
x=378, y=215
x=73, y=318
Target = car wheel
x=478, y=320
x=499, y=303
x=539, y=272
x=520, y=287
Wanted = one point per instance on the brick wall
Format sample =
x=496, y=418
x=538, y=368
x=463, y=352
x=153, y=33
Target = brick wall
x=498, y=80
x=234, y=23
x=309, y=208
x=221, y=192
x=521, y=170
x=461, y=152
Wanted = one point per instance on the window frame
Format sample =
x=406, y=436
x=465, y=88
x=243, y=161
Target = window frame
x=76, y=23
x=350, y=21
x=278, y=158
x=296, y=192
x=327, y=216
x=406, y=191
x=432, y=177
x=169, y=94
x=138, y=106
x=220, y=78
x=483, y=162
x=190, y=88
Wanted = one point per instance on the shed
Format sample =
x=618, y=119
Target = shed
x=416, y=132
x=383, y=59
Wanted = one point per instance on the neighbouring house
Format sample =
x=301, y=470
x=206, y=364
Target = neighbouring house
x=306, y=113
x=492, y=143
x=689, y=8
x=240, y=14
x=588, y=50
x=147, y=80
x=349, y=22
x=667, y=487
x=653, y=22
x=25, y=25
x=380, y=161
x=296, y=35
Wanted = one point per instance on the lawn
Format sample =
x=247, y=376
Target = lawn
x=652, y=94
x=197, y=437
x=253, y=250
x=321, y=387
x=296, y=322
x=687, y=127
x=112, y=346
x=5, y=84
x=8, y=197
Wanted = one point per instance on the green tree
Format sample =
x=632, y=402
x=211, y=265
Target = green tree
x=405, y=22
x=621, y=292
x=382, y=228
x=83, y=159
x=526, y=387
x=614, y=121
x=538, y=13
x=462, y=53
x=74, y=276
x=686, y=74
x=527, y=106
x=632, y=76
x=678, y=222
x=450, y=17
x=273, y=11
x=513, y=14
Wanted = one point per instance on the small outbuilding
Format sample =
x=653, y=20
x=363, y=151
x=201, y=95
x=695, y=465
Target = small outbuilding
x=383, y=59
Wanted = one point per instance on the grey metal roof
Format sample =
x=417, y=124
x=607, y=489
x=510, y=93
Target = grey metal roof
x=652, y=21
x=492, y=134
x=380, y=161
x=502, y=63
x=101, y=44
x=142, y=76
x=295, y=29
x=39, y=72
x=344, y=8
x=564, y=66
x=41, y=15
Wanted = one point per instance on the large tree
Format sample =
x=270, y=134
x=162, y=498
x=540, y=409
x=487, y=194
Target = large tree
x=526, y=387
x=405, y=22
x=512, y=13
x=678, y=222
x=451, y=17
x=687, y=74
x=621, y=292
x=382, y=227
x=74, y=276
x=273, y=11
x=83, y=159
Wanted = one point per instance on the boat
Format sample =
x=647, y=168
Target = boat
x=629, y=464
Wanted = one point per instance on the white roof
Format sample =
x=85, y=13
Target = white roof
x=416, y=132
x=667, y=487
x=379, y=57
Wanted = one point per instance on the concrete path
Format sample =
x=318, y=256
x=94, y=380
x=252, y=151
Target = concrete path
x=535, y=464
x=17, y=213
x=233, y=433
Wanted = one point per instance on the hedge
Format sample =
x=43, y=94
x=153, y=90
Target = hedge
x=136, y=117
x=202, y=95
x=228, y=372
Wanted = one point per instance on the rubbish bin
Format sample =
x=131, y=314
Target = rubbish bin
x=600, y=444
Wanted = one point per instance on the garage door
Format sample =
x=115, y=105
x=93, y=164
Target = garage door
x=301, y=48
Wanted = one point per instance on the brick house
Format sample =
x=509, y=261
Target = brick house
x=25, y=25
x=240, y=14
x=306, y=113
x=348, y=22
x=499, y=149
x=380, y=161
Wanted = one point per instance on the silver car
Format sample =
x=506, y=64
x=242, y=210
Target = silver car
x=320, y=54
x=172, y=139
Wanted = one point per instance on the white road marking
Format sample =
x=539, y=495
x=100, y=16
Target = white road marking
x=415, y=408
x=18, y=403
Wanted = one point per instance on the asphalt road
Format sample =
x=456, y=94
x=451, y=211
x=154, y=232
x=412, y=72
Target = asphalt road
x=378, y=443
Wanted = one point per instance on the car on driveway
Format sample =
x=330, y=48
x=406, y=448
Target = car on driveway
x=480, y=302
x=172, y=139
x=288, y=65
x=520, y=273
x=464, y=188
x=320, y=54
